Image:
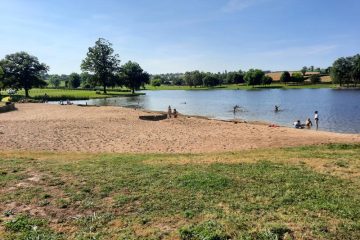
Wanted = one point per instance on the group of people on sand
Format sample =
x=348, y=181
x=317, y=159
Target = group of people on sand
x=308, y=123
x=173, y=113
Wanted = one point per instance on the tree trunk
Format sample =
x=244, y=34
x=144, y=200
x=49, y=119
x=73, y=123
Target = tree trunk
x=105, y=89
x=26, y=93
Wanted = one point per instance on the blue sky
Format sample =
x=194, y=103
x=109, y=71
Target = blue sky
x=177, y=36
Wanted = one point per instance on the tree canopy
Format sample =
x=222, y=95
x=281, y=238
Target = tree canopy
x=285, y=77
x=266, y=80
x=304, y=70
x=22, y=70
x=254, y=77
x=341, y=71
x=102, y=63
x=297, y=77
x=133, y=76
x=55, y=80
x=74, y=80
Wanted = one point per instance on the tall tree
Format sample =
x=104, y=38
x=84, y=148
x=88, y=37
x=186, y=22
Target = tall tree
x=1, y=78
x=285, y=77
x=356, y=69
x=74, y=80
x=304, y=70
x=254, y=77
x=211, y=80
x=341, y=71
x=102, y=63
x=133, y=76
x=23, y=70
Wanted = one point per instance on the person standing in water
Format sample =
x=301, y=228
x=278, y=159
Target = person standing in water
x=276, y=108
x=316, y=118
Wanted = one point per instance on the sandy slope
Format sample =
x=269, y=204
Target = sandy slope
x=113, y=129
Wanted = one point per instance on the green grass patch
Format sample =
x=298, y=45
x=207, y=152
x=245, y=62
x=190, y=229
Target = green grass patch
x=288, y=193
x=64, y=94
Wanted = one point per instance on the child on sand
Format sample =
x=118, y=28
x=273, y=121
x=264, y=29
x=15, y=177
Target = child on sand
x=169, y=112
x=308, y=123
x=175, y=113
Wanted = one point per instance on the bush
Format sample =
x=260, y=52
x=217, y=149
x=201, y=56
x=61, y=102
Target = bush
x=267, y=80
x=285, y=77
x=156, y=82
x=315, y=78
x=297, y=77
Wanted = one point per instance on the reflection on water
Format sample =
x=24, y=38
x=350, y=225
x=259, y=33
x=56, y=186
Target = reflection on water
x=339, y=110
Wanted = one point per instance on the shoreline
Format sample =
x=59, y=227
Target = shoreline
x=71, y=128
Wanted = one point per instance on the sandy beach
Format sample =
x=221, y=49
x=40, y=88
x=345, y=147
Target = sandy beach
x=45, y=127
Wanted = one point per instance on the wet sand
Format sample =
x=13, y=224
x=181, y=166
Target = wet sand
x=45, y=127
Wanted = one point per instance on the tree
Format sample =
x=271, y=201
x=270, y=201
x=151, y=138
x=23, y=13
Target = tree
x=87, y=80
x=315, y=78
x=156, y=82
x=304, y=70
x=341, y=71
x=133, y=76
x=55, y=80
x=23, y=70
x=285, y=77
x=74, y=80
x=197, y=78
x=210, y=80
x=1, y=78
x=102, y=62
x=235, y=77
x=266, y=80
x=188, y=79
x=254, y=77
x=356, y=69
x=297, y=77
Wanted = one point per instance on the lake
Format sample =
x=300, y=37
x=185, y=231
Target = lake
x=339, y=110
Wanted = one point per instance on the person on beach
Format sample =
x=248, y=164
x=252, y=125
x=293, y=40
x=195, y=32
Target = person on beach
x=316, y=117
x=46, y=97
x=169, y=112
x=298, y=124
x=308, y=123
x=175, y=113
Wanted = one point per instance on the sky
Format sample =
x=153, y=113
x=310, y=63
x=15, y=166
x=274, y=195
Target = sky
x=183, y=35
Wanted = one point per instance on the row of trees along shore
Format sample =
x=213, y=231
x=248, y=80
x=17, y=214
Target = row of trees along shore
x=101, y=67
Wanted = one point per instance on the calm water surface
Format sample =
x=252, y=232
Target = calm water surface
x=339, y=110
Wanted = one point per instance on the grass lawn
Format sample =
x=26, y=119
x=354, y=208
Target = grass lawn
x=291, y=193
x=242, y=87
x=64, y=94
